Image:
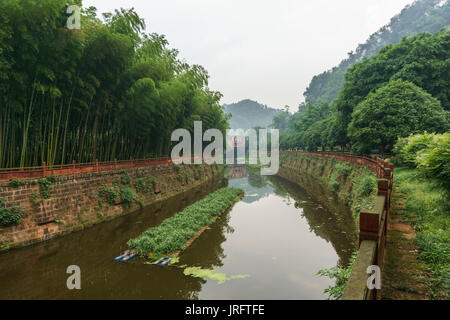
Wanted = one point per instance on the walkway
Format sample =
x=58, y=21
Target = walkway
x=403, y=277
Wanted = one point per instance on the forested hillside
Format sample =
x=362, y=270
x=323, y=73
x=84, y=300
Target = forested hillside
x=248, y=114
x=421, y=16
x=402, y=90
x=108, y=90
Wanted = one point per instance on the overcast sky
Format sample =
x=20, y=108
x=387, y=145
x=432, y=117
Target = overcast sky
x=259, y=49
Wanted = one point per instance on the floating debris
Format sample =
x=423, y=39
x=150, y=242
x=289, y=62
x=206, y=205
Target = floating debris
x=165, y=263
x=131, y=256
x=120, y=257
x=158, y=261
x=207, y=274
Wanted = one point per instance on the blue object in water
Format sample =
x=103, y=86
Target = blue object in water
x=120, y=257
x=165, y=263
x=131, y=256
x=160, y=260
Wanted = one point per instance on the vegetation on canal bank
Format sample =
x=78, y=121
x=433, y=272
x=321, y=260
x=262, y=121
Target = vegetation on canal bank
x=9, y=216
x=173, y=233
x=424, y=179
x=356, y=186
x=427, y=209
x=341, y=275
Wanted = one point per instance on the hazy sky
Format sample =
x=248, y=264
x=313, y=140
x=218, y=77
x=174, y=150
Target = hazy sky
x=258, y=49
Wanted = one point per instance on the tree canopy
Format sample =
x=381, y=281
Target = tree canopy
x=419, y=65
x=106, y=91
x=421, y=16
x=394, y=111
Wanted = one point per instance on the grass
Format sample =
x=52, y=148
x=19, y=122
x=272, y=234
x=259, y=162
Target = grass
x=171, y=235
x=428, y=211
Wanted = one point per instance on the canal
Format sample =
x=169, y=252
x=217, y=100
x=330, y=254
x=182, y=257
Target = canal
x=268, y=246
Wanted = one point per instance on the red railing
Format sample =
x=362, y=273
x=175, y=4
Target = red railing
x=373, y=225
x=43, y=171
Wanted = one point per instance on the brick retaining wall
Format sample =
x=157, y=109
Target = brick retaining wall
x=74, y=201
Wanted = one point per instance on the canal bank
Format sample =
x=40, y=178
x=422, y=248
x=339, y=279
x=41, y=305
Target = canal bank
x=270, y=245
x=338, y=185
x=58, y=205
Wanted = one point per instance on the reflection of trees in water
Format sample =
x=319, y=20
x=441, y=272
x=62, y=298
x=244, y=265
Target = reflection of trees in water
x=255, y=186
x=334, y=224
x=207, y=251
x=39, y=272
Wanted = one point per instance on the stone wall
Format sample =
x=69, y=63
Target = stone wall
x=74, y=201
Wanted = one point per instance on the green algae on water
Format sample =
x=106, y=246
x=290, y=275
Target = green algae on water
x=209, y=274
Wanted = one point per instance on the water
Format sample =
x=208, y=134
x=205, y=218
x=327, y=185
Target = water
x=275, y=241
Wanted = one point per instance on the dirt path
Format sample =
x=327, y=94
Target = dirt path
x=403, y=277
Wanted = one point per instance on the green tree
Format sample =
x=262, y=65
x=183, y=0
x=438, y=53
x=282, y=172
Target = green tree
x=423, y=60
x=394, y=111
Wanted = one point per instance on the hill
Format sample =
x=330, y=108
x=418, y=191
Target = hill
x=421, y=16
x=248, y=114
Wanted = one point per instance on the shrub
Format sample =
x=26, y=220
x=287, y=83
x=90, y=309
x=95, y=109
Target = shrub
x=430, y=153
x=110, y=195
x=15, y=183
x=45, y=186
x=51, y=178
x=434, y=161
x=125, y=178
x=145, y=185
x=343, y=169
x=365, y=186
x=334, y=184
x=128, y=196
x=10, y=216
x=406, y=149
x=341, y=275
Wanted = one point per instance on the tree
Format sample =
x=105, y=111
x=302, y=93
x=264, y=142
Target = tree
x=103, y=92
x=423, y=60
x=394, y=111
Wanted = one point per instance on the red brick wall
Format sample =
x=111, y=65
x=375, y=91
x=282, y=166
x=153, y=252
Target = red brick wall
x=74, y=201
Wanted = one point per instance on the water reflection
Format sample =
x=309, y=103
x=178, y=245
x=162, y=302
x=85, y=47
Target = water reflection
x=279, y=235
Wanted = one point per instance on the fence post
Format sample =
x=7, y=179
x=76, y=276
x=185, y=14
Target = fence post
x=44, y=169
x=96, y=165
x=368, y=226
x=115, y=164
x=73, y=166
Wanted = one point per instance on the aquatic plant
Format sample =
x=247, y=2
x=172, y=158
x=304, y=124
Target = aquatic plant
x=209, y=274
x=171, y=235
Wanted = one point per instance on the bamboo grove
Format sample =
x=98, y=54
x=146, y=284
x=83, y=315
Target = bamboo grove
x=103, y=92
